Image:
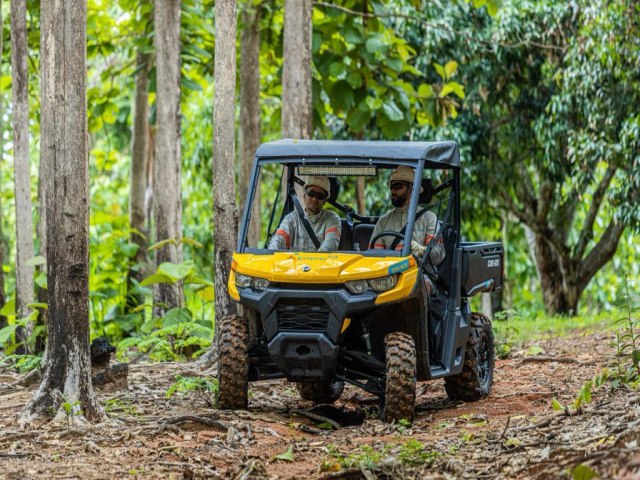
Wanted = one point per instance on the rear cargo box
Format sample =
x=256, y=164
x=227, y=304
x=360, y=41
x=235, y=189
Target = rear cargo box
x=482, y=267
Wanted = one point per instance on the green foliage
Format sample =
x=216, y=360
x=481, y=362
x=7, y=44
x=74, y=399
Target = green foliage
x=23, y=363
x=411, y=453
x=203, y=388
x=583, y=472
x=287, y=456
x=72, y=410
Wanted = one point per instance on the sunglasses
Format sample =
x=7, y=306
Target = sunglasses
x=317, y=195
x=398, y=185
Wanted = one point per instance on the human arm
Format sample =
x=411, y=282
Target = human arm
x=423, y=234
x=332, y=230
x=284, y=236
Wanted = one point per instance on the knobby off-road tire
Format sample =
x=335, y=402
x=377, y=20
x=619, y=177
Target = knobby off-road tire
x=476, y=378
x=233, y=365
x=400, y=383
x=321, y=392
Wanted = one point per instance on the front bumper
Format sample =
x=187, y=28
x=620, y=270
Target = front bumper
x=302, y=327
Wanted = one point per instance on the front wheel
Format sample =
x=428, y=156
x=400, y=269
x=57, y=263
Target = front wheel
x=476, y=378
x=400, y=381
x=233, y=365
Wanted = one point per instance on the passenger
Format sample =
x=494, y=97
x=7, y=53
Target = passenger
x=292, y=234
x=424, y=230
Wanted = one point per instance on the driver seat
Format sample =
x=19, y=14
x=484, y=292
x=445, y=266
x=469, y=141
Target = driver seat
x=362, y=235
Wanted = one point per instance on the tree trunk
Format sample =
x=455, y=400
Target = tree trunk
x=3, y=320
x=557, y=298
x=24, y=225
x=297, y=113
x=138, y=186
x=67, y=371
x=250, y=113
x=167, y=190
x=47, y=146
x=225, y=217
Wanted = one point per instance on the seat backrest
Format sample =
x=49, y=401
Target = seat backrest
x=444, y=269
x=362, y=235
x=345, y=236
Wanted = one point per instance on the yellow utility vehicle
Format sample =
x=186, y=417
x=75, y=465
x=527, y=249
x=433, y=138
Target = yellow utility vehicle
x=378, y=319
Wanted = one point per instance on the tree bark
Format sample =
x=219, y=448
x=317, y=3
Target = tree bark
x=297, y=113
x=47, y=145
x=67, y=370
x=167, y=190
x=250, y=113
x=24, y=222
x=3, y=320
x=225, y=217
x=138, y=175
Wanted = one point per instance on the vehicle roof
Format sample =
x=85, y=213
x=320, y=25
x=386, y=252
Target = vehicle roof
x=443, y=152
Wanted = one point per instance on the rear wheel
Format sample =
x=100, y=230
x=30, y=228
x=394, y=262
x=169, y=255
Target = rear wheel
x=321, y=392
x=476, y=378
x=400, y=382
x=233, y=384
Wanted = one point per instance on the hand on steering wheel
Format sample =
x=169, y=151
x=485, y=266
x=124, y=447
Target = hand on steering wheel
x=386, y=233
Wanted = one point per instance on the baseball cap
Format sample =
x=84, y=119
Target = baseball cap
x=318, y=181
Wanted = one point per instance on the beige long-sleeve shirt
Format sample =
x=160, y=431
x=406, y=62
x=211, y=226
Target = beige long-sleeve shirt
x=291, y=234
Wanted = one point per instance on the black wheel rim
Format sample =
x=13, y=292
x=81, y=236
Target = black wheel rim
x=484, y=361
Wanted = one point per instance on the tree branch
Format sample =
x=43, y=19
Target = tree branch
x=442, y=26
x=587, y=230
x=601, y=253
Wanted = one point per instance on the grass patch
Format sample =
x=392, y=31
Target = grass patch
x=516, y=329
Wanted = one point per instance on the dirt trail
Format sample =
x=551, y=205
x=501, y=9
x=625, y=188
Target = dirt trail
x=514, y=433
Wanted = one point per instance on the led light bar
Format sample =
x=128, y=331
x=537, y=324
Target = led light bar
x=337, y=170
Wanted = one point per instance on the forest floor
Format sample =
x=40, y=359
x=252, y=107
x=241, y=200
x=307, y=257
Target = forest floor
x=514, y=433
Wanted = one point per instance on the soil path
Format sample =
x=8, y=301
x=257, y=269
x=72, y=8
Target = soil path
x=514, y=433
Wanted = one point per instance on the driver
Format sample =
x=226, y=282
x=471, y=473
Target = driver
x=401, y=186
x=292, y=235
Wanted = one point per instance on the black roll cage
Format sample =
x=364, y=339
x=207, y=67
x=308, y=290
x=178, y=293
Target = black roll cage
x=292, y=163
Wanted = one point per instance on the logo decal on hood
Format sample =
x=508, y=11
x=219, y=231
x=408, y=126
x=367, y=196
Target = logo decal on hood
x=399, y=267
x=306, y=268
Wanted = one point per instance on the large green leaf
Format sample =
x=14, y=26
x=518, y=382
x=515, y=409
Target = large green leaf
x=175, y=316
x=156, y=278
x=341, y=94
x=392, y=111
x=6, y=332
x=176, y=271
x=376, y=43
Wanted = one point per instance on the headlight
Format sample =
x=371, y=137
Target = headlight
x=357, y=286
x=243, y=281
x=383, y=283
x=260, y=284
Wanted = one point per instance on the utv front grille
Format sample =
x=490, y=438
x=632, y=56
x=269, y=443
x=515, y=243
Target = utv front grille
x=302, y=314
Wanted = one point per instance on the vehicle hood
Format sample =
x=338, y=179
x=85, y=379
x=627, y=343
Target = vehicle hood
x=318, y=267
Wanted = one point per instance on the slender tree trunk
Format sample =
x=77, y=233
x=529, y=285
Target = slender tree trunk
x=225, y=216
x=250, y=113
x=24, y=222
x=47, y=146
x=3, y=320
x=167, y=190
x=67, y=371
x=297, y=114
x=138, y=186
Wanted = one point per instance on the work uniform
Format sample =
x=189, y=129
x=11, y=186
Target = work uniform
x=424, y=230
x=291, y=234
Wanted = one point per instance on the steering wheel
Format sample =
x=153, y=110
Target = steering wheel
x=386, y=233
